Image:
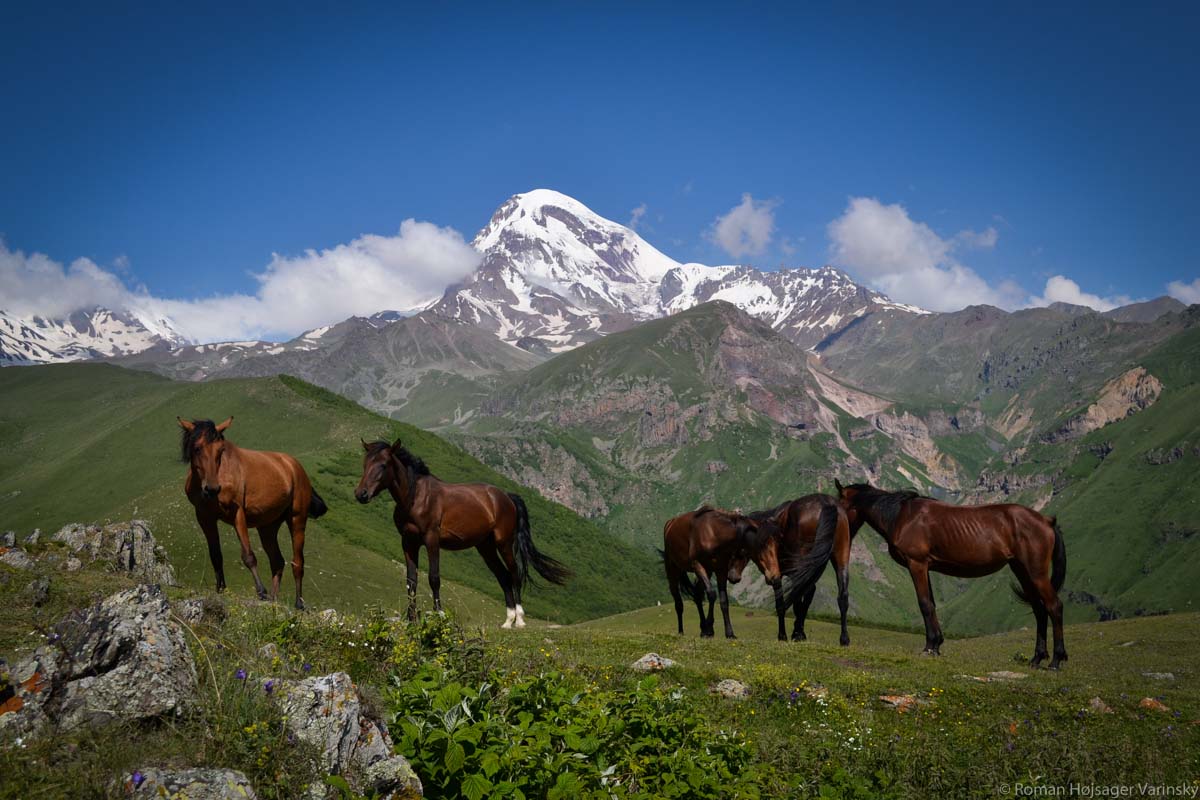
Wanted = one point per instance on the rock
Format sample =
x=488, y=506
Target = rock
x=73, y=564
x=326, y=712
x=195, y=611
x=1006, y=675
x=16, y=558
x=330, y=616
x=37, y=592
x=127, y=546
x=1150, y=704
x=269, y=650
x=816, y=692
x=902, y=702
x=1130, y=643
x=34, y=537
x=651, y=662
x=8, y=539
x=734, y=690
x=1160, y=676
x=975, y=678
x=1099, y=706
x=193, y=784
x=122, y=659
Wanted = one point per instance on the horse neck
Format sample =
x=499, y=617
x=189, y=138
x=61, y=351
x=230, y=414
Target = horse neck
x=871, y=517
x=403, y=490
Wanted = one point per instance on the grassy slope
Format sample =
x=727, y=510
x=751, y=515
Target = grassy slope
x=94, y=442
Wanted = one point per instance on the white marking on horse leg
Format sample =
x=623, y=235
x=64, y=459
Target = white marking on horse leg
x=509, y=615
x=520, y=622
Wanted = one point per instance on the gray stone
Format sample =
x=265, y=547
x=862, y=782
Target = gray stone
x=326, y=712
x=732, y=689
x=37, y=592
x=122, y=659
x=269, y=650
x=73, y=564
x=127, y=546
x=8, y=539
x=651, y=662
x=1160, y=676
x=16, y=558
x=330, y=616
x=34, y=537
x=192, y=784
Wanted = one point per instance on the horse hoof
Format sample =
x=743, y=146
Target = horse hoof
x=300, y=605
x=845, y=642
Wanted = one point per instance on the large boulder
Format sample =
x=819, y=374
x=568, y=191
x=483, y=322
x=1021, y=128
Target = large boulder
x=126, y=546
x=122, y=659
x=192, y=784
x=327, y=713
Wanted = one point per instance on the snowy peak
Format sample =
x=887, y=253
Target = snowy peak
x=82, y=334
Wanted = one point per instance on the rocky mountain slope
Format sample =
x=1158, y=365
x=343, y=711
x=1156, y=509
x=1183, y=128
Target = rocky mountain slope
x=83, y=334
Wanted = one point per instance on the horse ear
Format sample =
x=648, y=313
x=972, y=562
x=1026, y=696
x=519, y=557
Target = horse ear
x=183, y=423
x=364, y=443
x=224, y=425
x=397, y=445
x=838, y=484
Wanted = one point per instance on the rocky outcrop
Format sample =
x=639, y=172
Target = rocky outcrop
x=126, y=546
x=651, y=662
x=190, y=784
x=327, y=713
x=1121, y=397
x=122, y=659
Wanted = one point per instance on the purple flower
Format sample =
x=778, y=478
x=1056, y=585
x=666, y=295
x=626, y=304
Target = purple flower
x=307, y=667
x=269, y=686
x=240, y=674
x=138, y=778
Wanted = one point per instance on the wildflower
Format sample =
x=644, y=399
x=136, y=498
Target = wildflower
x=307, y=667
x=240, y=674
x=138, y=778
x=269, y=686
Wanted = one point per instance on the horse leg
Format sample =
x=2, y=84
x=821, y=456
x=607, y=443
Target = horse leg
x=780, y=608
x=209, y=526
x=933, y=631
x=721, y=590
x=673, y=583
x=1054, y=607
x=269, y=536
x=412, y=552
x=704, y=587
x=803, y=601
x=432, y=542
x=296, y=528
x=243, y=532
x=510, y=561
x=841, y=568
x=487, y=549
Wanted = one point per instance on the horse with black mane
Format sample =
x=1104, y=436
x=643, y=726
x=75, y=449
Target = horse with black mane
x=801, y=537
x=924, y=534
x=705, y=542
x=247, y=489
x=455, y=516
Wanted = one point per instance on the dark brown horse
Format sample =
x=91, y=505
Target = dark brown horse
x=805, y=534
x=924, y=534
x=248, y=489
x=704, y=542
x=455, y=516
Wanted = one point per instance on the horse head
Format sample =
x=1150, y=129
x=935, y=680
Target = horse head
x=378, y=470
x=203, y=446
x=756, y=541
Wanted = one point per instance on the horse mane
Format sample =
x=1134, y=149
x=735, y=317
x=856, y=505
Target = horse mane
x=202, y=430
x=416, y=467
x=887, y=505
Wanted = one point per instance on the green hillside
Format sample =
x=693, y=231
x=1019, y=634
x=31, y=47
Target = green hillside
x=95, y=442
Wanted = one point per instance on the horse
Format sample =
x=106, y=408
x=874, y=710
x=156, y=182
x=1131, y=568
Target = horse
x=455, y=516
x=247, y=489
x=809, y=531
x=924, y=534
x=703, y=541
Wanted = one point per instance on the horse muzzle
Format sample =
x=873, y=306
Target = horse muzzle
x=362, y=496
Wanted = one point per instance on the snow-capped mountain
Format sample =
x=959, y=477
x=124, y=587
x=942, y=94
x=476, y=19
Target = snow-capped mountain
x=81, y=335
x=555, y=275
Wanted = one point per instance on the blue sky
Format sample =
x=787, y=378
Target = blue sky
x=181, y=151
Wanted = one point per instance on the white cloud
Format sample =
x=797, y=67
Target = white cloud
x=910, y=262
x=635, y=216
x=368, y=274
x=1185, y=292
x=747, y=228
x=1061, y=289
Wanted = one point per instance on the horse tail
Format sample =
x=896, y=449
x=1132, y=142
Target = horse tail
x=316, y=506
x=685, y=582
x=527, y=554
x=806, y=570
x=1058, y=566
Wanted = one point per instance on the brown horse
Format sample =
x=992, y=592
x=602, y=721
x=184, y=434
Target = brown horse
x=704, y=541
x=924, y=534
x=807, y=533
x=248, y=489
x=437, y=514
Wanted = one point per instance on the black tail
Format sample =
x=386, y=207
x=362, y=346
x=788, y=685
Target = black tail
x=804, y=571
x=685, y=580
x=316, y=506
x=1058, y=565
x=527, y=554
